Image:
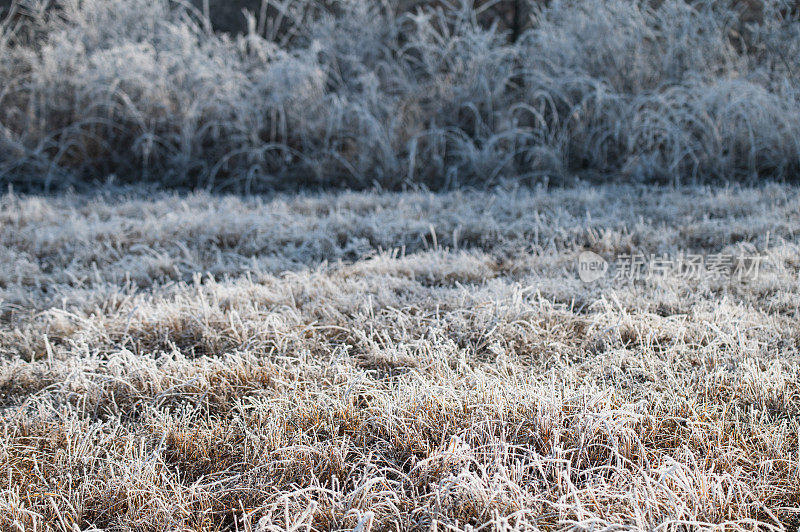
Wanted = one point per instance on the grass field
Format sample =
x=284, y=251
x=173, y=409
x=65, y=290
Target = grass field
x=397, y=361
x=490, y=265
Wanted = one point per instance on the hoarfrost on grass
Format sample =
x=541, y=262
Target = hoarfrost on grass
x=205, y=362
x=357, y=94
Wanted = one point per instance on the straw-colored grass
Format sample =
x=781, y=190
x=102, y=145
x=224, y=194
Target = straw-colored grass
x=409, y=361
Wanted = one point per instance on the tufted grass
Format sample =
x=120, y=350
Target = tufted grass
x=398, y=94
x=396, y=361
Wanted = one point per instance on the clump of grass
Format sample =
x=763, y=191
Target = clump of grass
x=357, y=94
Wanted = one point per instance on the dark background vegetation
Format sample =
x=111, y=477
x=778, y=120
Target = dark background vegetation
x=399, y=93
x=229, y=15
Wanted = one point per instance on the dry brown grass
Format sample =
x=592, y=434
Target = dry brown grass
x=396, y=362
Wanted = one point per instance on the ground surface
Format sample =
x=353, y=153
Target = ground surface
x=398, y=362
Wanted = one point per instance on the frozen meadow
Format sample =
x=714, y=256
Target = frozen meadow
x=397, y=361
x=399, y=265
